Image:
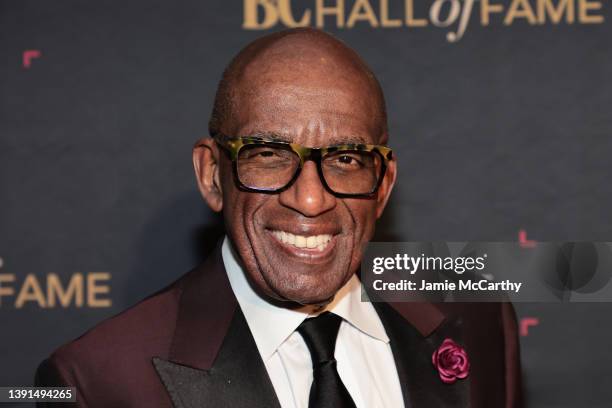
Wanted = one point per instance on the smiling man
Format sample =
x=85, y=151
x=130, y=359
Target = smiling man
x=297, y=163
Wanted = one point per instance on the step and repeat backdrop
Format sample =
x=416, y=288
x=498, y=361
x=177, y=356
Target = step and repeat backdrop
x=499, y=113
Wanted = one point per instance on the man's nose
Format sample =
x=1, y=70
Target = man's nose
x=307, y=195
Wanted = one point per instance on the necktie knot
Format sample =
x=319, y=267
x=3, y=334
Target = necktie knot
x=320, y=335
x=327, y=390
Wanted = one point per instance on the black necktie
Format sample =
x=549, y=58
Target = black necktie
x=327, y=389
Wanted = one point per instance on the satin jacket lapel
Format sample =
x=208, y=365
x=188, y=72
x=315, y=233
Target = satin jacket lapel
x=213, y=360
x=238, y=377
x=416, y=330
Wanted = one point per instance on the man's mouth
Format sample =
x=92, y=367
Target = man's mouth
x=314, y=242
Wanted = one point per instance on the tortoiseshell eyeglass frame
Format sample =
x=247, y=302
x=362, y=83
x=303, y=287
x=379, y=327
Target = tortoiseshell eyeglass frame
x=233, y=145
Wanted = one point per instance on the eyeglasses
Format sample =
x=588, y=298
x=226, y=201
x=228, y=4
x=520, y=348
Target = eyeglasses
x=267, y=166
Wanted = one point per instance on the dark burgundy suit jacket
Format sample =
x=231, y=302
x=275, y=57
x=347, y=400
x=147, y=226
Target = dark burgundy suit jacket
x=189, y=346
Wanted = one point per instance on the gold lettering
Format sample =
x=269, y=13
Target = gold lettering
x=463, y=23
x=486, y=9
x=286, y=16
x=323, y=11
x=410, y=20
x=30, y=291
x=546, y=7
x=93, y=289
x=453, y=14
x=520, y=9
x=74, y=290
x=251, y=20
x=385, y=21
x=5, y=290
x=583, y=12
x=362, y=11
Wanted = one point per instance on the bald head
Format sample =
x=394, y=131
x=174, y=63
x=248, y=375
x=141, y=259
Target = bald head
x=294, y=68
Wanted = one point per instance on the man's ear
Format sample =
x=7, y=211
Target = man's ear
x=206, y=165
x=384, y=191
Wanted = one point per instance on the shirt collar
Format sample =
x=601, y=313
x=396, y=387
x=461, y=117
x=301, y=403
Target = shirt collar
x=271, y=325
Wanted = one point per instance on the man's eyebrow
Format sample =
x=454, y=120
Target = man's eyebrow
x=334, y=141
x=271, y=136
x=349, y=140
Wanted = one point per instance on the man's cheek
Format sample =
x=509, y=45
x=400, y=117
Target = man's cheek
x=364, y=218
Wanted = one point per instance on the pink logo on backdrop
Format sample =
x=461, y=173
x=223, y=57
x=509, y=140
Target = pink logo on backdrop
x=526, y=323
x=523, y=241
x=28, y=56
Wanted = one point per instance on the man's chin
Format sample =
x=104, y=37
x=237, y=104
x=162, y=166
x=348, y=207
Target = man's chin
x=316, y=301
x=311, y=294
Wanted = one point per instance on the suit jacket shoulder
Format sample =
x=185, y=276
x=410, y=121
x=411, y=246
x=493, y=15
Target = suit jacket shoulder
x=106, y=358
x=113, y=364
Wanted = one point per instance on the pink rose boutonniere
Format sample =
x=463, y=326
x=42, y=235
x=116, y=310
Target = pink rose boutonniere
x=451, y=360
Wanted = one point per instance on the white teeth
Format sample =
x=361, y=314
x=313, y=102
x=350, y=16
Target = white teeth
x=313, y=241
x=300, y=241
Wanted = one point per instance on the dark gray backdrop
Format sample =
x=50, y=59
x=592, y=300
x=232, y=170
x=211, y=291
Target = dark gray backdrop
x=507, y=129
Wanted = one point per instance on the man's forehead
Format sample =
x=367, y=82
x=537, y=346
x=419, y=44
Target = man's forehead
x=313, y=68
x=307, y=124
x=299, y=109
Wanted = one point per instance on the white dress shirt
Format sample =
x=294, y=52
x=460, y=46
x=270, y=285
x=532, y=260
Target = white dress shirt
x=364, y=359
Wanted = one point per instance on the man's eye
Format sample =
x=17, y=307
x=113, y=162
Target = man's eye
x=265, y=156
x=347, y=160
x=261, y=154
